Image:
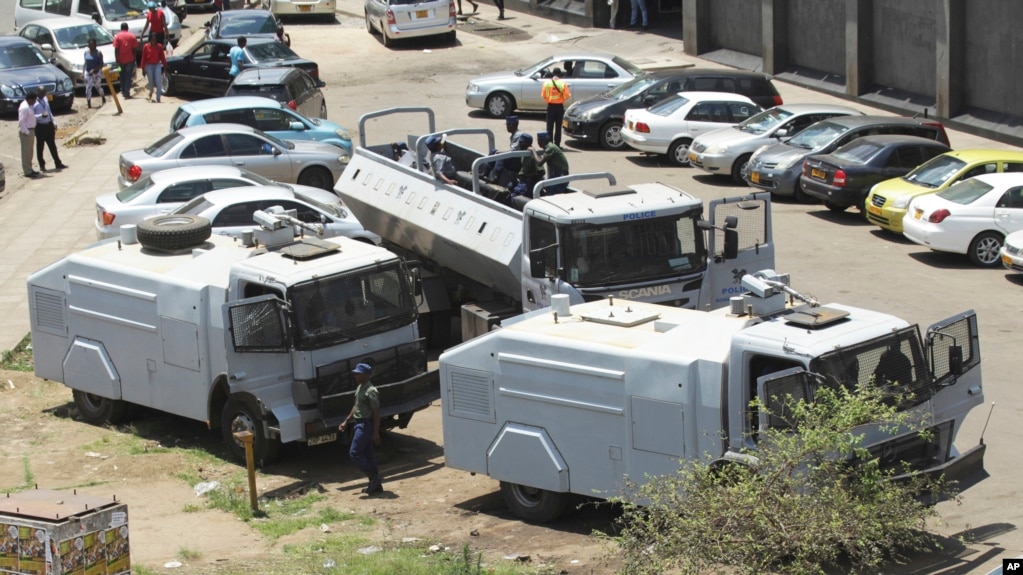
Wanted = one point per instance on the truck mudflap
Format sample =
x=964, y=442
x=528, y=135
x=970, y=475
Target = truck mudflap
x=398, y=400
x=965, y=466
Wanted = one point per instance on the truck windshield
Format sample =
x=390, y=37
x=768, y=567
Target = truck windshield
x=622, y=252
x=350, y=306
x=894, y=362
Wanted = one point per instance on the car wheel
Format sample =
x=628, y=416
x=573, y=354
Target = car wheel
x=803, y=197
x=533, y=504
x=240, y=416
x=388, y=43
x=452, y=37
x=317, y=177
x=678, y=152
x=99, y=410
x=173, y=232
x=737, y=167
x=499, y=104
x=167, y=84
x=323, y=110
x=984, y=249
x=369, y=26
x=611, y=136
x=834, y=207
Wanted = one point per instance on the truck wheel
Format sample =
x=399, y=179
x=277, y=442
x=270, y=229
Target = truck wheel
x=532, y=504
x=99, y=410
x=240, y=416
x=173, y=232
x=317, y=177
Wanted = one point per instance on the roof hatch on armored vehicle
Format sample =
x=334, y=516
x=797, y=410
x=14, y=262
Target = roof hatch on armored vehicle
x=622, y=316
x=308, y=248
x=812, y=317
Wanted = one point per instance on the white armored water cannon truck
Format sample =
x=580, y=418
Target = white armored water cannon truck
x=647, y=242
x=575, y=399
x=259, y=334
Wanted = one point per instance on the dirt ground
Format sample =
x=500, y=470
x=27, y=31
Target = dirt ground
x=44, y=441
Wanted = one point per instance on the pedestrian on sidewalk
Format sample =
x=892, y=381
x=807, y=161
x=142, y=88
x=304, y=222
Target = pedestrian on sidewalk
x=555, y=92
x=46, y=131
x=475, y=7
x=237, y=57
x=500, y=8
x=93, y=73
x=126, y=47
x=153, y=61
x=156, y=24
x=27, y=134
x=614, y=13
x=638, y=8
x=366, y=431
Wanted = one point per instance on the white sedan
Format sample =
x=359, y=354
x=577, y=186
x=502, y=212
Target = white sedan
x=66, y=40
x=670, y=126
x=971, y=217
x=230, y=211
x=1012, y=252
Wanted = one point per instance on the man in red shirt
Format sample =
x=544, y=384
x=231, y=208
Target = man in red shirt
x=126, y=45
x=156, y=23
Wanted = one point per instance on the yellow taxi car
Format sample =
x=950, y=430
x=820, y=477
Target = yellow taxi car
x=889, y=201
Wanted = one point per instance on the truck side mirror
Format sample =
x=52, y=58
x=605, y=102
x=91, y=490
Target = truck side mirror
x=955, y=360
x=97, y=18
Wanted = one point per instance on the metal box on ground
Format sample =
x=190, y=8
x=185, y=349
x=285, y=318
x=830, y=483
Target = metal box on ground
x=46, y=532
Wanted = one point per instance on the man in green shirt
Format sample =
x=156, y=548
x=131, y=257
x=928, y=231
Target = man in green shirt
x=366, y=433
x=554, y=158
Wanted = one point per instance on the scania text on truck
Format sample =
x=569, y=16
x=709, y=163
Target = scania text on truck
x=647, y=242
x=259, y=334
x=576, y=402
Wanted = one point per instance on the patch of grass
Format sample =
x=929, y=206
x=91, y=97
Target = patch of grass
x=28, y=478
x=140, y=570
x=20, y=357
x=186, y=554
x=192, y=508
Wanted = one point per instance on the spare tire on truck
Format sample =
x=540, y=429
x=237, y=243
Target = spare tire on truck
x=173, y=232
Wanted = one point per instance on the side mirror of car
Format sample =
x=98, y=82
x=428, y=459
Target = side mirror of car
x=48, y=48
x=782, y=133
x=267, y=149
x=297, y=126
x=97, y=18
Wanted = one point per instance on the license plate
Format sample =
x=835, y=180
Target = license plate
x=1007, y=260
x=49, y=97
x=754, y=177
x=305, y=8
x=323, y=439
x=564, y=123
x=421, y=13
x=692, y=157
x=874, y=209
x=917, y=214
x=819, y=174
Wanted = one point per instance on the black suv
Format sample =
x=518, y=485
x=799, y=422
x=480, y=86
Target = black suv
x=600, y=118
x=290, y=86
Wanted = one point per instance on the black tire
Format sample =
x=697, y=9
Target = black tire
x=369, y=26
x=173, y=232
x=452, y=37
x=532, y=504
x=436, y=328
x=737, y=167
x=317, y=177
x=678, y=152
x=984, y=249
x=99, y=410
x=388, y=43
x=835, y=207
x=499, y=104
x=240, y=416
x=167, y=83
x=802, y=197
x=323, y=110
x=611, y=136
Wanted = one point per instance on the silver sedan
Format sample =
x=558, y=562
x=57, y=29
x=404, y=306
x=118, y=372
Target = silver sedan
x=66, y=40
x=315, y=164
x=587, y=73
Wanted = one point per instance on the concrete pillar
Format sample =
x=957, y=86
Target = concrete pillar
x=950, y=54
x=775, y=34
x=859, y=54
x=696, y=36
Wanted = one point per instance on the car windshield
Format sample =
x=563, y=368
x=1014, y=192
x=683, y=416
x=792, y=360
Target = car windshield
x=269, y=52
x=936, y=171
x=351, y=306
x=21, y=56
x=858, y=152
x=764, y=121
x=632, y=251
x=818, y=135
x=258, y=180
x=279, y=142
x=164, y=144
x=250, y=24
x=669, y=105
x=117, y=10
x=632, y=88
x=333, y=208
x=966, y=191
x=628, y=66
x=79, y=36
x=133, y=191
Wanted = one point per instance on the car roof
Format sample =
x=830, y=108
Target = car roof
x=894, y=139
x=1001, y=178
x=249, y=40
x=60, y=22
x=726, y=96
x=13, y=40
x=817, y=108
x=195, y=172
x=690, y=71
x=248, y=14
x=265, y=75
x=230, y=103
x=857, y=121
x=248, y=194
x=583, y=55
x=981, y=155
x=204, y=128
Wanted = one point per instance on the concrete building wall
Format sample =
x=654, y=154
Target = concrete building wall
x=993, y=74
x=904, y=36
x=736, y=25
x=814, y=27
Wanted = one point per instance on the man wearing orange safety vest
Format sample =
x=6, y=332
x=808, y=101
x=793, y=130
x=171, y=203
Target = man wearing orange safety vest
x=555, y=92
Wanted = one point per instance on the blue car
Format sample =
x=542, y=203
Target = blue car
x=264, y=114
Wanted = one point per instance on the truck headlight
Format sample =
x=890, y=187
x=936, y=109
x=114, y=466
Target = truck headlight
x=902, y=201
x=343, y=134
x=472, y=88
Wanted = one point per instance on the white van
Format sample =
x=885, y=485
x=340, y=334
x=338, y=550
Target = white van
x=107, y=13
